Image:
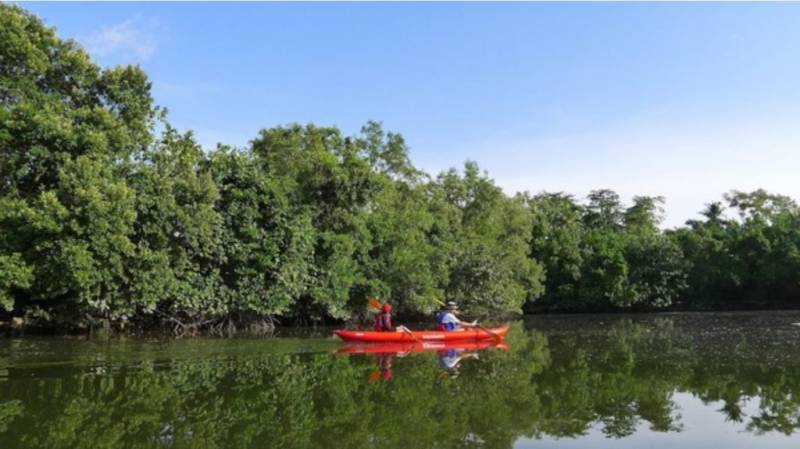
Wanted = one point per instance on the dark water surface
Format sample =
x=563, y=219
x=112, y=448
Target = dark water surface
x=641, y=381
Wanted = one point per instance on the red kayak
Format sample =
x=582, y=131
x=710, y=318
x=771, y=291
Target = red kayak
x=423, y=336
x=400, y=347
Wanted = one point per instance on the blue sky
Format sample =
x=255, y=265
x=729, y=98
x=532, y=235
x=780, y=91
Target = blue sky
x=683, y=100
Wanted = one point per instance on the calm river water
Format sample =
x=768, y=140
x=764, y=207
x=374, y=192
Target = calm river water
x=710, y=380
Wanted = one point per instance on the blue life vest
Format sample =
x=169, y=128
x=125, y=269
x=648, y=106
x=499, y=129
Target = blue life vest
x=446, y=326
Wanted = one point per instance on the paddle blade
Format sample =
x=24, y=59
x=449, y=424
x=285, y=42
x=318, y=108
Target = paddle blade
x=374, y=376
x=374, y=303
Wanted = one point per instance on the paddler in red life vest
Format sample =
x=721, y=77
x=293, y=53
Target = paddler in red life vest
x=448, y=321
x=383, y=321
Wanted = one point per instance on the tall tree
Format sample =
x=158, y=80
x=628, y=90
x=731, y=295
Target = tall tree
x=69, y=130
x=489, y=255
x=603, y=210
x=645, y=214
x=557, y=238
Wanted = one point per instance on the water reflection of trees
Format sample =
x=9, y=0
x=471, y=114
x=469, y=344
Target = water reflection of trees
x=556, y=385
x=629, y=374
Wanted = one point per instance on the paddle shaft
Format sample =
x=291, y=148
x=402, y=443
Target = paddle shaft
x=403, y=328
x=496, y=337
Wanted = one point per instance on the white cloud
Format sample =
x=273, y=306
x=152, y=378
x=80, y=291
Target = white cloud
x=131, y=38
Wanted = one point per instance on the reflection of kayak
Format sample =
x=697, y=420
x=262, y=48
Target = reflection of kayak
x=422, y=336
x=399, y=347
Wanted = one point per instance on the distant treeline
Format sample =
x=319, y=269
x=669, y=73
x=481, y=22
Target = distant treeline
x=107, y=212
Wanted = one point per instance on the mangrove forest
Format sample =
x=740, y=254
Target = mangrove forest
x=109, y=214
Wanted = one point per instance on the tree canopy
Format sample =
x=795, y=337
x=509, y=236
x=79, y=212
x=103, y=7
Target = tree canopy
x=109, y=213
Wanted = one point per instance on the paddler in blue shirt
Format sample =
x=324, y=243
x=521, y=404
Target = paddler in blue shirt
x=448, y=319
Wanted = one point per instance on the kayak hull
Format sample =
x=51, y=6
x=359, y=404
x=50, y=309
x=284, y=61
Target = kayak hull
x=422, y=336
x=406, y=347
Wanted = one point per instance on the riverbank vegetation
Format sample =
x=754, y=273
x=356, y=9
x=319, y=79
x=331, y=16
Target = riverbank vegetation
x=108, y=213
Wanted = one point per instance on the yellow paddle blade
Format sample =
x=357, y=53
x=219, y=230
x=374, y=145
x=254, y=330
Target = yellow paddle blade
x=374, y=376
x=374, y=303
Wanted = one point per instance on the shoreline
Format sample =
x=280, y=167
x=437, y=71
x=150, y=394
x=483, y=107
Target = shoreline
x=22, y=329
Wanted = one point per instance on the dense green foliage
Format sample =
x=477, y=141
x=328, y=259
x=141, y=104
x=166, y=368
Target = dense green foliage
x=102, y=217
x=109, y=213
x=602, y=255
x=561, y=378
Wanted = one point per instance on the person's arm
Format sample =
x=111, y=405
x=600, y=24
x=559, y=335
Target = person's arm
x=453, y=319
x=467, y=324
